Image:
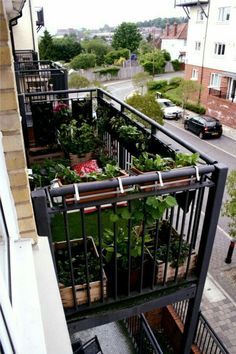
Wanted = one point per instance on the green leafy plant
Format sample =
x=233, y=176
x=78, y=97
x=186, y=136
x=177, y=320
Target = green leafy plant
x=77, y=140
x=183, y=159
x=229, y=207
x=146, y=162
x=150, y=210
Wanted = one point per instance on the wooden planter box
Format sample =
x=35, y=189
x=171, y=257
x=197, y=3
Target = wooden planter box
x=66, y=293
x=160, y=269
x=171, y=182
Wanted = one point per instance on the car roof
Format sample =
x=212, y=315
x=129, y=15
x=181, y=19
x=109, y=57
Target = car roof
x=206, y=118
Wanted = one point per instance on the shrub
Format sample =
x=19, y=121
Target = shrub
x=83, y=61
x=78, y=81
x=176, y=64
x=157, y=85
x=194, y=107
x=112, y=70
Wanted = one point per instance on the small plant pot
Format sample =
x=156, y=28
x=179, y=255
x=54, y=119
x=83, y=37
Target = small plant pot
x=66, y=292
x=74, y=158
x=171, y=182
x=171, y=271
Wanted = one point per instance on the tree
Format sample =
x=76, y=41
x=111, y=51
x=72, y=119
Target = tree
x=126, y=36
x=66, y=48
x=148, y=105
x=98, y=47
x=153, y=62
x=114, y=55
x=140, y=80
x=46, y=46
x=187, y=91
x=83, y=61
x=145, y=47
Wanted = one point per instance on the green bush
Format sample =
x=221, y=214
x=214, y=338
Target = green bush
x=157, y=85
x=112, y=70
x=83, y=61
x=78, y=81
x=175, y=82
x=194, y=107
x=176, y=64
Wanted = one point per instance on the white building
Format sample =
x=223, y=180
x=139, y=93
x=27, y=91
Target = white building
x=174, y=40
x=211, y=55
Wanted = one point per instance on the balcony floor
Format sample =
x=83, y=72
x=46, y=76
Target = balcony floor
x=111, y=338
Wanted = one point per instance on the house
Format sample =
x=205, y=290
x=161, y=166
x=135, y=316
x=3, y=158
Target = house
x=32, y=318
x=211, y=55
x=174, y=40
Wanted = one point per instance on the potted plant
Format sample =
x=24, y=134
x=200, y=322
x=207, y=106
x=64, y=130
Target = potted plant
x=147, y=163
x=78, y=142
x=175, y=251
x=78, y=269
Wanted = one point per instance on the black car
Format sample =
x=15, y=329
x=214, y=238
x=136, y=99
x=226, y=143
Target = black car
x=204, y=126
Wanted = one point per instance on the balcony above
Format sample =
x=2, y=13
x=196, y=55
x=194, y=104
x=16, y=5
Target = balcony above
x=190, y=2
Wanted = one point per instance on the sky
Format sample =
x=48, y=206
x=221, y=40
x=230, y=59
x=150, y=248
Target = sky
x=95, y=14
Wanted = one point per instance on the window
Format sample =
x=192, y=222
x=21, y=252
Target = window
x=215, y=80
x=219, y=49
x=197, y=46
x=194, y=74
x=223, y=14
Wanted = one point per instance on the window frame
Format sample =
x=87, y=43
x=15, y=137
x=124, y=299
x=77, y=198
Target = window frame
x=219, y=48
x=194, y=75
x=215, y=81
x=223, y=13
x=197, y=46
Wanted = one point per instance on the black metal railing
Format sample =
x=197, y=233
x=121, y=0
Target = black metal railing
x=221, y=93
x=190, y=2
x=205, y=338
x=128, y=233
x=26, y=55
x=142, y=336
x=40, y=76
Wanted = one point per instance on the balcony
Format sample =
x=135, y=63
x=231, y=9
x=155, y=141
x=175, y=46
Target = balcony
x=190, y=2
x=151, y=234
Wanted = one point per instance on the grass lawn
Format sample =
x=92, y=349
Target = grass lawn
x=75, y=225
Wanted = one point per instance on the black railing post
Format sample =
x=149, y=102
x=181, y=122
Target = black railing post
x=207, y=239
x=41, y=213
x=228, y=258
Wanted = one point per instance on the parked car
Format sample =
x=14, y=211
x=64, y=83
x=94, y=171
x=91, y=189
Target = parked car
x=204, y=126
x=169, y=109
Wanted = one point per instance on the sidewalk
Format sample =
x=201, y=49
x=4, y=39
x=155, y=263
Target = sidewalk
x=229, y=132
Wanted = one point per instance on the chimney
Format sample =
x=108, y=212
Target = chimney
x=175, y=29
x=167, y=28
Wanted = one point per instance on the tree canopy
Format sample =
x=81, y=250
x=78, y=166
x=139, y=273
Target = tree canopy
x=46, y=48
x=148, y=105
x=126, y=36
x=98, y=47
x=63, y=49
x=83, y=61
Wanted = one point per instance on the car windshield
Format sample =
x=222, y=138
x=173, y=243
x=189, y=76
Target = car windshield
x=168, y=104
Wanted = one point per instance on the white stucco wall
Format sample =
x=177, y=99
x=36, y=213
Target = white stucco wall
x=223, y=32
x=174, y=47
x=25, y=31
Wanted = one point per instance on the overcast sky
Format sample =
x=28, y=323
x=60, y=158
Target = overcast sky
x=96, y=13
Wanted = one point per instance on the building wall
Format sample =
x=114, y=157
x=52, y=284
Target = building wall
x=174, y=47
x=210, y=32
x=24, y=32
x=12, y=134
x=217, y=107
